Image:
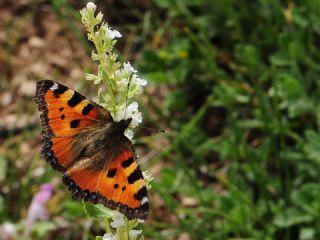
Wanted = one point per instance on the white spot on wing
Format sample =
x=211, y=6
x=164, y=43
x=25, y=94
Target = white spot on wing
x=144, y=200
x=54, y=87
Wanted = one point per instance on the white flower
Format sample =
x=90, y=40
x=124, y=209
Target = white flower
x=130, y=112
x=132, y=108
x=99, y=17
x=114, y=33
x=109, y=236
x=121, y=114
x=138, y=81
x=133, y=112
x=122, y=80
x=128, y=68
x=133, y=234
x=91, y=6
x=122, y=84
x=91, y=77
x=136, y=119
x=129, y=134
x=118, y=220
x=147, y=178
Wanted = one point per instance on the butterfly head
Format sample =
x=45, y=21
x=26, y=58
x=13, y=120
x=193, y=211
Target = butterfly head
x=122, y=125
x=113, y=133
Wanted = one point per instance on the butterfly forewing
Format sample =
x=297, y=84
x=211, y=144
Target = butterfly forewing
x=64, y=113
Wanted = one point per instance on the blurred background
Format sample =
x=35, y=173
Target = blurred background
x=236, y=85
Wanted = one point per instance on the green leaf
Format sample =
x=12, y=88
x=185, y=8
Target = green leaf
x=280, y=60
x=228, y=94
x=291, y=216
x=307, y=234
x=250, y=123
x=71, y=209
x=299, y=18
x=311, y=148
x=248, y=55
x=42, y=228
x=97, y=211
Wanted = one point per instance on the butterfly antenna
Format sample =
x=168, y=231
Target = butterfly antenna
x=154, y=130
x=128, y=86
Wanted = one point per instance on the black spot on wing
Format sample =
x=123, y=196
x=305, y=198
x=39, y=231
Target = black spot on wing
x=74, y=123
x=116, y=185
x=141, y=193
x=75, y=99
x=87, y=109
x=111, y=172
x=62, y=116
x=135, y=176
x=60, y=90
x=127, y=162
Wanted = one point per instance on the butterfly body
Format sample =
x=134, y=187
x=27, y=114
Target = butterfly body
x=105, y=140
x=81, y=140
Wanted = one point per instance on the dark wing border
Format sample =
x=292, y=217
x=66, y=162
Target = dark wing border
x=42, y=87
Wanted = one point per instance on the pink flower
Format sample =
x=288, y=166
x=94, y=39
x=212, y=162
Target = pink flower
x=37, y=210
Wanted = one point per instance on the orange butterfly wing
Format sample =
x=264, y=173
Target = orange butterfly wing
x=119, y=184
x=64, y=113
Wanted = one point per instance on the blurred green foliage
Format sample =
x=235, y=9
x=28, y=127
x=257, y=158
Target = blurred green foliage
x=244, y=109
x=242, y=105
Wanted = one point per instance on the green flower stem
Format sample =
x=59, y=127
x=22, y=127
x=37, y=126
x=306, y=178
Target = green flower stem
x=108, y=228
x=101, y=58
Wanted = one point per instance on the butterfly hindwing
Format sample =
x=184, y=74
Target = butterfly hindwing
x=97, y=166
x=118, y=185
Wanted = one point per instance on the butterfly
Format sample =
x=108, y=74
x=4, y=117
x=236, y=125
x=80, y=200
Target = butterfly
x=97, y=161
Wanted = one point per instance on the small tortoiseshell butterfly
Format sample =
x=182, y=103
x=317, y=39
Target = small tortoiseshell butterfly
x=81, y=140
